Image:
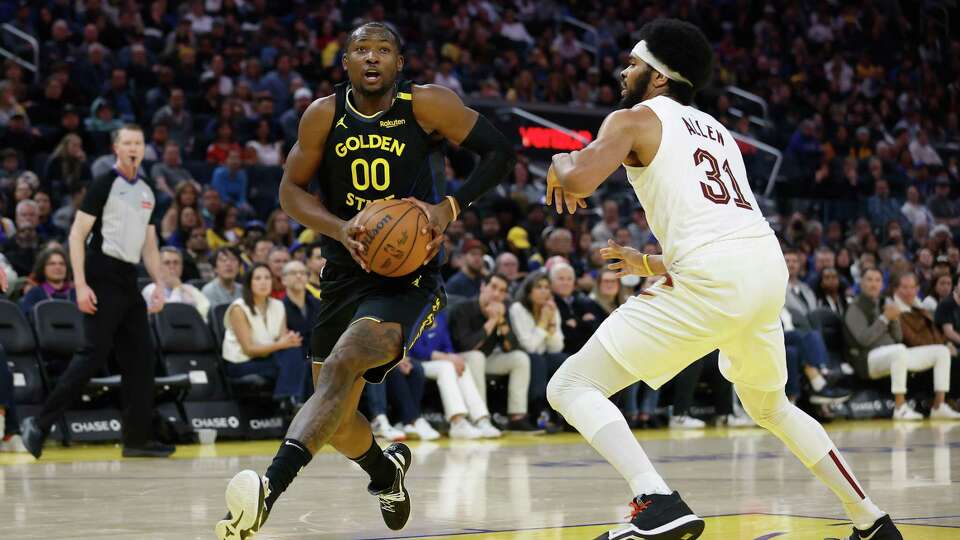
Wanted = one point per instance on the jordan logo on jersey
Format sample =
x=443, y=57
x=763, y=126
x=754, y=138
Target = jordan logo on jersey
x=342, y=122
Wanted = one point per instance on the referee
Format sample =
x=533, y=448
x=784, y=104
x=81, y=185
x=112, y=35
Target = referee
x=115, y=215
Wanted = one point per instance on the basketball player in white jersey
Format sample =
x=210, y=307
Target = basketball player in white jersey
x=723, y=287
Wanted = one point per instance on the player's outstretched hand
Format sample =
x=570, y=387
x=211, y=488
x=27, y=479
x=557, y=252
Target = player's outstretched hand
x=349, y=236
x=439, y=217
x=557, y=196
x=629, y=261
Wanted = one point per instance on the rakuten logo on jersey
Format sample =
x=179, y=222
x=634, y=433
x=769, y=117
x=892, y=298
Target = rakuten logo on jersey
x=216, y=422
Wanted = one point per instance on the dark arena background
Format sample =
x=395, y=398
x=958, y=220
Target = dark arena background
x=845, y=111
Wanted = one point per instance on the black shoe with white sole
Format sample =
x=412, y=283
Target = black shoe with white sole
x=829, y=395
x=658, y=517
x=395, y=500
x=882, y=529
x=246, y=507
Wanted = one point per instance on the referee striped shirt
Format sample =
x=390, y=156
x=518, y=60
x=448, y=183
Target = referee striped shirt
x=123, y=208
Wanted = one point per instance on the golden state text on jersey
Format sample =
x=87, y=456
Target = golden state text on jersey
x=372, y=157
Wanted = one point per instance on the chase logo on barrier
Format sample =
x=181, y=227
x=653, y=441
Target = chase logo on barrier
x=94, y=425
x=223, y=416
x=266, y=423
x=216, y=422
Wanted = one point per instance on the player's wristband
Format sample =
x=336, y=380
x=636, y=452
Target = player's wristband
x=646, y=264
x=455, y=206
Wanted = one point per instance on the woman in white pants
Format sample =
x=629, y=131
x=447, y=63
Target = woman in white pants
x=461, y=399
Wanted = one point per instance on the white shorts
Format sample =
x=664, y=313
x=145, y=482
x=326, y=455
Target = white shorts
x=725, y=295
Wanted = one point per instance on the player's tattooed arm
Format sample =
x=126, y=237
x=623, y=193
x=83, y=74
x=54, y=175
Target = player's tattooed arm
x=302, y=164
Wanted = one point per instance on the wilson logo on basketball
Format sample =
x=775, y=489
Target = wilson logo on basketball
x=395, y=237
x=372, y=233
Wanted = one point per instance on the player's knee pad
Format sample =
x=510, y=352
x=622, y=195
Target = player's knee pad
x=558, y=388
x=768, y=409
x=801, y=433
x=582, y=404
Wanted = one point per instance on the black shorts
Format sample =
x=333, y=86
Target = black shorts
x=346, y=297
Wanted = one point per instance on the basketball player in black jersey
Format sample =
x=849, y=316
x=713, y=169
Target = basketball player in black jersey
x=375, y=138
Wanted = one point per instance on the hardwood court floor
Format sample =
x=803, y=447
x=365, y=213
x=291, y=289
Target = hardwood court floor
x=518, y=487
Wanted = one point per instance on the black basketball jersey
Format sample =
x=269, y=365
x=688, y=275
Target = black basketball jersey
x=384, y=156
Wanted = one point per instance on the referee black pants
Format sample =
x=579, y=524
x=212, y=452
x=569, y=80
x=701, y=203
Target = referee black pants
x=119, y=325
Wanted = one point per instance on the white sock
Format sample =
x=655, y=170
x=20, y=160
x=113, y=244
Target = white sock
x=833, y=471
x=818, y=383
x=617, y=445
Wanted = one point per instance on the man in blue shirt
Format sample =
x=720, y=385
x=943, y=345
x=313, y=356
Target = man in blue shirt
x=230, y=181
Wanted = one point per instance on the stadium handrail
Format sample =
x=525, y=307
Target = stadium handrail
x=778, y=158
x=749, y=96
x=34, y=44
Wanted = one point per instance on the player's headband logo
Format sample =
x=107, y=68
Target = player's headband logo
x=641, y=51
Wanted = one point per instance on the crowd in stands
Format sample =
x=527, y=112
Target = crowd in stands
x=863, y=99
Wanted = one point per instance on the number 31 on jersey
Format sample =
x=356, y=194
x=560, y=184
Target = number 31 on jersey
x=718, y=192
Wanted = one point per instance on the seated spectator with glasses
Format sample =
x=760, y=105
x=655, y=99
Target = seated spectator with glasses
x=256, y=331
x=51, y=273
x=174, y=289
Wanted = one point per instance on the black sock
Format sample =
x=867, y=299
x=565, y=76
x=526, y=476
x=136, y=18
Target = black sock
x=291, y=457
x=382, y=471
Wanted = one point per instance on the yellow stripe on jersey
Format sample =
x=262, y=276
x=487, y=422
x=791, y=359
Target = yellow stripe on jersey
x=405, y=95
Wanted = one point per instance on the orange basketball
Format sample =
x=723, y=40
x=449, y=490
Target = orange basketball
x=395, y=246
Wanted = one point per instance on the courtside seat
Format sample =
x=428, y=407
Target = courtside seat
x=187, y=350
x=217, y=313
x=248, y=386
x=60, y=334
x=17, y=339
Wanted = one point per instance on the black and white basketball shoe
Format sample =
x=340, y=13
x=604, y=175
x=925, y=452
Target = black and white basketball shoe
x=395, y=500
x=658, y=517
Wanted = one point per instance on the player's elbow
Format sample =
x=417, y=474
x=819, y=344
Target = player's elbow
x=78, y=233
x=285, y=196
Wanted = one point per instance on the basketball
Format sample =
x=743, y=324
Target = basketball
x=393, y=239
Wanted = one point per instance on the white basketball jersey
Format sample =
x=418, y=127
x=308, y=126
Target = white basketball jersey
x=695, y=191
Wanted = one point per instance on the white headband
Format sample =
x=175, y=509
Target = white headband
x=641, y=51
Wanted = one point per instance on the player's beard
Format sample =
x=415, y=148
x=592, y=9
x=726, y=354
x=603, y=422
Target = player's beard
x=636, y=93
